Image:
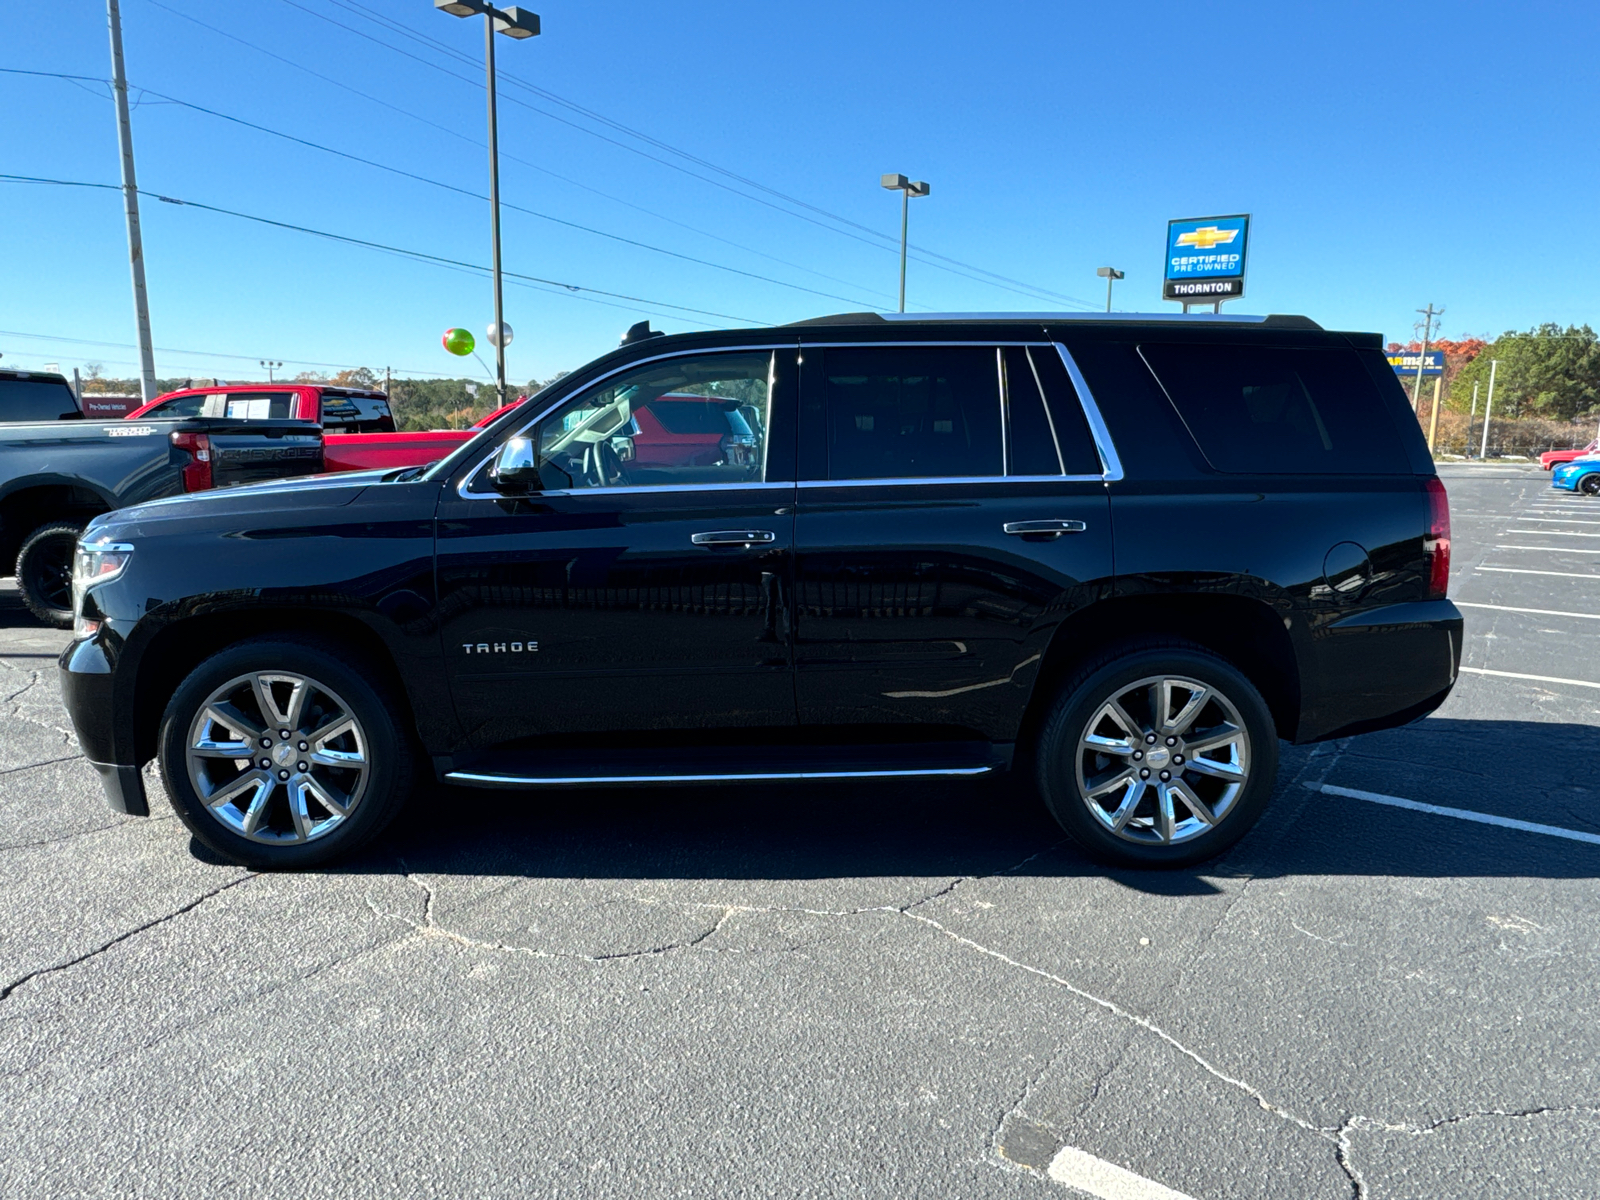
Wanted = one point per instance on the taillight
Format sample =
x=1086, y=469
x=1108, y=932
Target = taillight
x=1436, y=541
x=197, y=472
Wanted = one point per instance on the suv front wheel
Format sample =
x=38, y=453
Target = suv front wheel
x=278, y=755
x=1159, y=755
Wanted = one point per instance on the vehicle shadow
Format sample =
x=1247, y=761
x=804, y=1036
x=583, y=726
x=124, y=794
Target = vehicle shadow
x=955, y=829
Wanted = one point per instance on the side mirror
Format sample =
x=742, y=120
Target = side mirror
x=515, y=471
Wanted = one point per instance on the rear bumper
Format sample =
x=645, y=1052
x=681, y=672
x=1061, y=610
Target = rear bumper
x=87, y=691
x=1381, y=668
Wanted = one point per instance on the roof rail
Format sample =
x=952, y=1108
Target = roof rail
x=1270, y=321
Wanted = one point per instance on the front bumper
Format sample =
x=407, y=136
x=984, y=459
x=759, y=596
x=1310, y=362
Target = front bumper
x=88, y=690
x=1381, y=668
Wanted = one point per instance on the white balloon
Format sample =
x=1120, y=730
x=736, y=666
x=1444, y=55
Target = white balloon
x=494, y=333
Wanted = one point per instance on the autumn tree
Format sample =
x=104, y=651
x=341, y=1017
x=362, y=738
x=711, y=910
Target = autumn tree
x=1547, y=371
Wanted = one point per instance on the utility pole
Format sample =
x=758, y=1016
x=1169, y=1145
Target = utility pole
x=1433, y=421
x=1466, y=446
x=130, y=203
x=1428, y=314
x=1488, y=407
x=388, y=381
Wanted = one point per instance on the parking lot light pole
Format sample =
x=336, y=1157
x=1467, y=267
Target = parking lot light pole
x=1488, y=406
x=1110, y=275
x=271, y=366
x=907, y=189
x=514, y=23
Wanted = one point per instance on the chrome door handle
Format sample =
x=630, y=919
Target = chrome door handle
x=1055, y=528
x=734, y=537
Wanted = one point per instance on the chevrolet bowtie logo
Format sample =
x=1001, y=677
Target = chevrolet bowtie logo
x=1207, y=236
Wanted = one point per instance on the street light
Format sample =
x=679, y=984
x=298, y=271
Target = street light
x=1110, y=275
x=514, y=23
x=907, y=189
x=270, y=366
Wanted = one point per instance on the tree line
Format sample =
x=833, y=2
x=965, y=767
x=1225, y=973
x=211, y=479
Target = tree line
x=1547, y=371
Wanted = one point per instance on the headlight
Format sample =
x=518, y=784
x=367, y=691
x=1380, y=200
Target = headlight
x=95, y=563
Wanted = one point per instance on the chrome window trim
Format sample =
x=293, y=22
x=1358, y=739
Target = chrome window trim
x=1102, y=436
x=944, y=480
x=466, y=480
x=652, y=488
x=1005, y=410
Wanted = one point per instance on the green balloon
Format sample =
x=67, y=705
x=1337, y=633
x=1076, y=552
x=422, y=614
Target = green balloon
x=459, y=342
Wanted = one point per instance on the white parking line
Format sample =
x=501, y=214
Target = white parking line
x=1528, y=571
x=1079, y=1169
x=1557, y=521
x=1543, y=612
x=1557, y=549
x=1460, y=814
x=1545, y=533
x=1539, y=678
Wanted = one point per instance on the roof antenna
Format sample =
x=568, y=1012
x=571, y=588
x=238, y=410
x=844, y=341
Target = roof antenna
x=639, y=333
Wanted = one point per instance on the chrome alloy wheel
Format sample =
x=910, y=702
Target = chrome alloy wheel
x=1163, y=760
x=277, y=757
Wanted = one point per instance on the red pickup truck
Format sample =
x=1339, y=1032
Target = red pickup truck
x=1554, y=458
x=673, y=430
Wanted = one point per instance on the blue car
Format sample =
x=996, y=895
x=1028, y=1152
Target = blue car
x=1580, y=475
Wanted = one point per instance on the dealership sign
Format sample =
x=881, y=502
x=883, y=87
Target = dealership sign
x=1206, y=258
x=1406, y=364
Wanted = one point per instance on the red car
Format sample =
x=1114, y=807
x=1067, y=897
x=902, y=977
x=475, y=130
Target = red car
x=1554, y=458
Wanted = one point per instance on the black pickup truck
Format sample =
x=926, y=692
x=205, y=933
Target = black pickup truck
x=58, y=471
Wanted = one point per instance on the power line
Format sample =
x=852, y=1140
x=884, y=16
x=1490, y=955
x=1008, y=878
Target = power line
x=465, y=191
x=418, y=255
x=293, y=362
x=555, y=98
x=874, y=238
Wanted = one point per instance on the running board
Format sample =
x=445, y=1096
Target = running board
x=636, y=768
x=474, y=779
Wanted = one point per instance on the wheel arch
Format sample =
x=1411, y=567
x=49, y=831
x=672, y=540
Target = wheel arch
x=176, y=649
x=26, y=504
x=1246, y=632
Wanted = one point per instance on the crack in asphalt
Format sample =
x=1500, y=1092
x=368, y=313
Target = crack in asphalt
x=430, y=927
x=5, y=992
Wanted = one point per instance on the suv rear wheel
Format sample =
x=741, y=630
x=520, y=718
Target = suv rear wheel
x=277, y=755
x=1160, y=754
x=44, y=572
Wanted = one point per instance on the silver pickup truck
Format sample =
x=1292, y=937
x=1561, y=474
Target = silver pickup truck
x=58, y=470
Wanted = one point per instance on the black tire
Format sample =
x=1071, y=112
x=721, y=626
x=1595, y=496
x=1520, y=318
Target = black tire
x=44, y=571
x=334, y=686
x=1589, y=485
x=1066, y=772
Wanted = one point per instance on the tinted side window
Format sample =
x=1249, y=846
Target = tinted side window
x=1071, y=427
x=35, y=400
x=356, y=414
x=1030, y=441
x=912, y=412
x=1263, y=410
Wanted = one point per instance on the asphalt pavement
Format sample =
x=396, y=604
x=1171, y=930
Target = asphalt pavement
x=1386, y=990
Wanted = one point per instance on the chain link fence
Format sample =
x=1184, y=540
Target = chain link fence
x=1524, y=437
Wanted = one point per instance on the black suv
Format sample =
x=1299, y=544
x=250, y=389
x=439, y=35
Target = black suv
x=1119, y=557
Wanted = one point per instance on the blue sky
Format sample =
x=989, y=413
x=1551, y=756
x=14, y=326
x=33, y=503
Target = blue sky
x=1386, y=166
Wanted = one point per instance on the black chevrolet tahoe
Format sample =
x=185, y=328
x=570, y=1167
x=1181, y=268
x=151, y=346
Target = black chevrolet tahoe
x=1120, y=558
